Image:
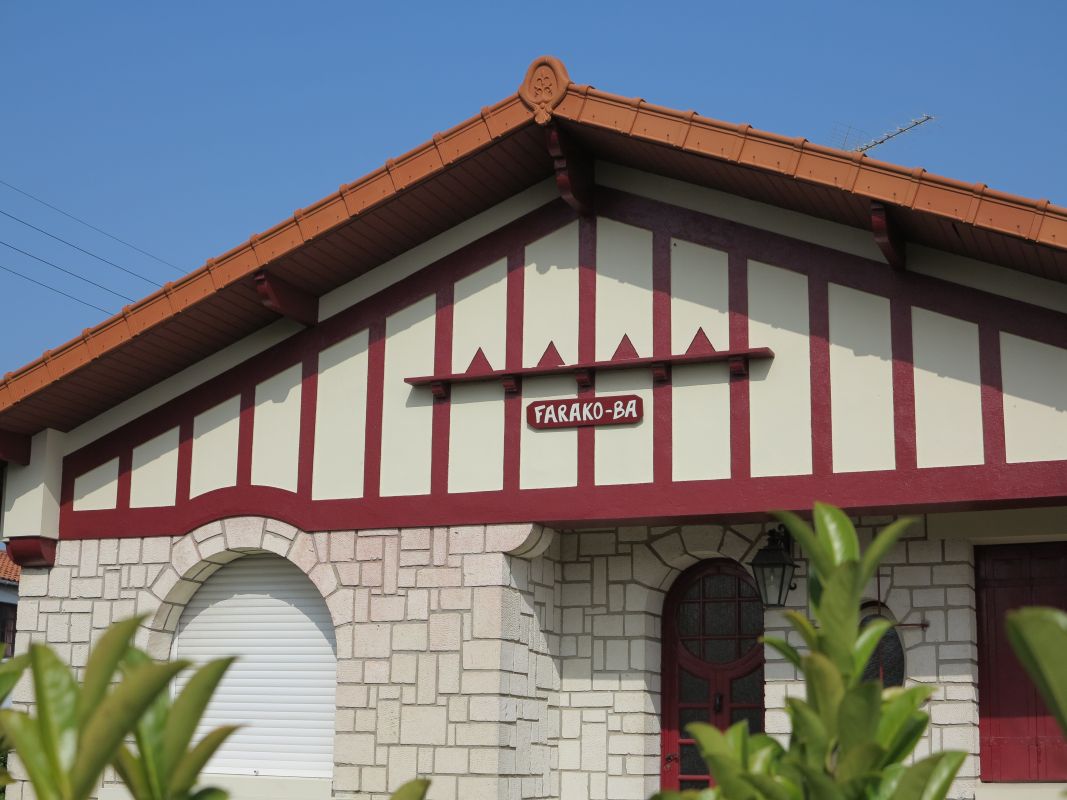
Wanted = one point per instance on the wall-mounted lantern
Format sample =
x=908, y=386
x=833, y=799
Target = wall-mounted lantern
x=773, y=567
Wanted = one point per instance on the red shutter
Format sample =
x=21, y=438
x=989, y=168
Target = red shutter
x=1019, y=738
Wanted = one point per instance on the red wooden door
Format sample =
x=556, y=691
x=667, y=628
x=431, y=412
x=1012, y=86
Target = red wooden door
x=712, y=663
x=1019, y=740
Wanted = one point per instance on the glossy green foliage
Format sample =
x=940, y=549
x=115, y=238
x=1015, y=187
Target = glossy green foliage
x=412, y=790
x=849, y=737
x=77, y=730
x=10, y=673
x=1039, y=638
x=164, y=766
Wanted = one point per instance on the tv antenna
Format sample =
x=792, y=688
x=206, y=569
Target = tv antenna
x=885, y=137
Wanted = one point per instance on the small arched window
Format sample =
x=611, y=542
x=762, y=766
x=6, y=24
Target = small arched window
x=887, y=661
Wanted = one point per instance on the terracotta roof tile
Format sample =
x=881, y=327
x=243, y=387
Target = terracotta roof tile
x=9, y=570
x=479, y=161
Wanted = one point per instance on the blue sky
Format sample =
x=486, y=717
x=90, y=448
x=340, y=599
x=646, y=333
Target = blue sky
x=185, y=127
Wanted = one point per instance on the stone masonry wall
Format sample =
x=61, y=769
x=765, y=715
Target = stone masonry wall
x=503, y=661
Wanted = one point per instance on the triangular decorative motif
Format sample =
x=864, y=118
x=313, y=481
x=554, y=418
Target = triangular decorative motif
x=551, y=358
x=625, y=351
x=479, y=364
x=700, y=345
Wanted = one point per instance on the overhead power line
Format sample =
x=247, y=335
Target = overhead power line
x=81, y=249
x=53, y=289
x=67, y=271
x=91, y=226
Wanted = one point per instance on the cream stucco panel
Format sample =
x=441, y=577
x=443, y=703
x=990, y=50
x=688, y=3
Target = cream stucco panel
x=550, y=296
x=780, y=389
x=97, y=488
x=154, y=479
x=623, y=288
x=623, y=453
x=479, y=317
x=861, y=381
x=548, y=457
x=407, y=412
x=476, y=438
x=700, y=422
x=341, y=420
x=700, y=295
x=948, y=390
x=1034, y=376
x=276, y=431
x=215, y=435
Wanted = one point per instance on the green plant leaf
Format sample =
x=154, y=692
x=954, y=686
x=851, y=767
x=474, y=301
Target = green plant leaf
x=210, y=794
x=803, y=626
x=412, y=790
x=907, y=736
x=25, y=736
x=930, y=778
x=835, y=531
x=868, y=640
x=819, y=784
x=187, y=770
x=131, y=771
x=859, y=761
x=881, y=545
x=189, y=708
x=150, y=730
x=809, y=732
x=825, y=689
x=114, y=718
x=1039, y=638
x=898, y=706
x=103, y=661
x=857, y=716
x=782, y=646
x=817, y=553
x=771, y=788
x=838, y=614
x=56, y=696
x=10, y=673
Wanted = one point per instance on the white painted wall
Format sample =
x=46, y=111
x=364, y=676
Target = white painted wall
x=476, y=438
x=215, y=435
x=154, y=477
x=623, y=453
x=548, y=457
x=861, y=381
x=97, y=488
x=32, y=492
x=700, y=295
x=550, y=290
x=1034, y=376
x=700, y=422
x=479, y=317
x=780, y=389
x=623, y=288
x=341, y=420
x=948, y=393
x=407, y=412
x=276, y=431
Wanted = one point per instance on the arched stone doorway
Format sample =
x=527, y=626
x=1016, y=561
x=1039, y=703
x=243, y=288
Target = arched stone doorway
x=712, y=662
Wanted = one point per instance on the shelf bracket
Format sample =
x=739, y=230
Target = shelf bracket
x=887, y=236
x=574, y=171
x=283, y=298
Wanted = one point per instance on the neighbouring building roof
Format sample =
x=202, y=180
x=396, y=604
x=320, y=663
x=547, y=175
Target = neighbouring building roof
x=475, y=165
x=9, y=570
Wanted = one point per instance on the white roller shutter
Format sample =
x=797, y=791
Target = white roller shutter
x=264, y=610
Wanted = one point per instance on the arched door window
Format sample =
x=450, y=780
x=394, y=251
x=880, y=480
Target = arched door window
x=265, y=611
x=712, y=663
x=887, y=661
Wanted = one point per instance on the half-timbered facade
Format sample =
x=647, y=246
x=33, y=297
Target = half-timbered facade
x=468, y=460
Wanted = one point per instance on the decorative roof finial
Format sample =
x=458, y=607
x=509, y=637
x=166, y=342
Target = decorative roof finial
x=543, y=87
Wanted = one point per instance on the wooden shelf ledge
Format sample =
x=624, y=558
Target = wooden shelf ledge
x=585, y=373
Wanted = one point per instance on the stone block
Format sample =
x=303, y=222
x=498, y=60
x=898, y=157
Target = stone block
x=925, y=551
x=488, y=569
x=371, y=640
x=445, y=631
x=928, y=598
x=387, y=609
x=467, y=539
x=130, y=550
x=435, y=577
x=410, y=636
x=911, y=576
x=423, y=725
x=954, y=575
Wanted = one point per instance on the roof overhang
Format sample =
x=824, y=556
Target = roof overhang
x=472, y=167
